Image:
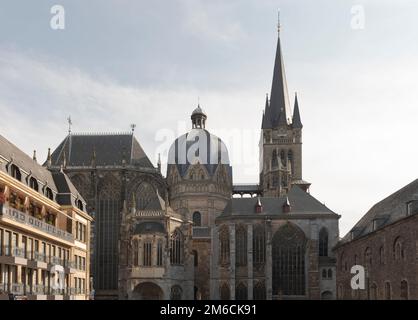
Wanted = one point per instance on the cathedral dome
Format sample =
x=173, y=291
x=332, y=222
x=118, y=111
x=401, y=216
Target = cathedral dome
x=198, y=146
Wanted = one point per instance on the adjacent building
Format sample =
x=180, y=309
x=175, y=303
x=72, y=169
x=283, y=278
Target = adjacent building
x=385, y=243
x=44, y=231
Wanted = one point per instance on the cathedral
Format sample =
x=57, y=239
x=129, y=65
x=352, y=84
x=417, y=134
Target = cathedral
x=192, y=234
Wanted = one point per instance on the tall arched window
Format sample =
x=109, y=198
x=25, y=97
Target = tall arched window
x=382, y=255
x=15, y=172
x=49, y=194
x=368, y=257
x=136, y=253
x=404, y=290
x=33, y=183
x=160, y=253
x=176, y=293
x=197, y=219
x=144, y=195
x=288, y=255
x=241, y=292
x=224, y=246
x=323, y=243
x=224, y=292
x=373, y=291
x=259, y=291
x=259, y=245
x=241, y=246
x=274, y=161
x=80, y=205
x=147, y=257
x=388, y=291
x=398, y=251
x=176, y=248
x=283, y=157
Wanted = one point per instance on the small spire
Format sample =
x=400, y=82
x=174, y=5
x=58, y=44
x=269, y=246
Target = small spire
x=279, y=26
x=49, y=158
x=133, y=203
x=133, y=126
x=296, y=122
x=34, y=156
x=70, y=123
x=159, y=162
x=64, y=160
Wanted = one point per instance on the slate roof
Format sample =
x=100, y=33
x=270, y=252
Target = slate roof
x=58, y=182
x=300, y=202
x=385, y=212
x=148, y=227
x=109, y=149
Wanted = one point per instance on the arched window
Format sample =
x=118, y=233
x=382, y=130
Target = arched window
x=398, y=252
x=176, y=248
x=323, y=243
x=404, y=290
x=368, y=257
x=197, y=219
x=259, y=246
x=224, y=292
x=324, y=274
x=147, y=257
x=259, y=291
x=329, y=274
x=136, y=253
x=195, y=258
x=288, y=255
x=241, y=246
x=49, y=194
x=80, y=205
x=33, y=183
x=241, y=292
x=283, y=157
x=176, y=293
x=290, y=157
x=224, y=246
x=144, y=195
x=382, y=255
x=373, y=291
x=160, y=253
x=15, y=172
x=274, y=161
x=388, y=291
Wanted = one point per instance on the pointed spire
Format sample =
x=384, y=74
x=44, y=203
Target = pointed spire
x=133, y=203
x=159, y=162
x=279, y=99
x=266, y=122
x=34, y=156
x=49, y=158
x=296, y=122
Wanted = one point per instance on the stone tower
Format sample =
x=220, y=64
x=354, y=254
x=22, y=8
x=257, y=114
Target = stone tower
x=281, y=137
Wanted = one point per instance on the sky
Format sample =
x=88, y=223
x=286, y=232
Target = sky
x=116, y=62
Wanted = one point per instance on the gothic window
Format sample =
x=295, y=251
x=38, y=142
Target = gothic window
x=283, y=157
x=290, y=157
x=275, y=181
x=241, y=246
x=224, y=246
x=176, y=293
x=259, y=246
x=15, y=172
x=160, y=253
x=288, y=256
x=398, y=252
x=144, y=195
x=224, y=292
x=388, y=291
x=241, y=292
x=147, y=262
x=136, y=253
x=329, y=274
x=324, y=274
x=259, y=291
x=33, y=183
x=404, y=290
x=373, y=291
x=382, y=255
x=197, y=219
x=323, y=243
x=368, y=256
x=274, y=161
x=176, y=248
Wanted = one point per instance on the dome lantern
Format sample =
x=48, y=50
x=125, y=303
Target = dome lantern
x=198, y=118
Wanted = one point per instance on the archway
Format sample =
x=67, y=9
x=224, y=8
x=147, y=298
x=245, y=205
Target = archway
x=147, y=291
x=326, y=295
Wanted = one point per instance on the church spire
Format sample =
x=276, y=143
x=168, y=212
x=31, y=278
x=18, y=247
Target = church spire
x=296, y=122
x=279, y=99
x=266, y=123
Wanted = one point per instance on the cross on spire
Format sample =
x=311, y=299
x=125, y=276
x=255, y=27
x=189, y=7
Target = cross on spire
x=70, y=123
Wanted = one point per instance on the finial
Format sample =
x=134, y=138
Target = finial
x=49, y=158
x=279, y=26
x=133, y=126
x=64, y=161
x=34, y=155
x=70, y=123
x=159, y=162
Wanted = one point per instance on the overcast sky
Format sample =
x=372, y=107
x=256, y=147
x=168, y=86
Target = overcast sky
x=119, y=62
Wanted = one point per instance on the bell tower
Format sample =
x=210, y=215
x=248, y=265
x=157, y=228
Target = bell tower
x=281, y=137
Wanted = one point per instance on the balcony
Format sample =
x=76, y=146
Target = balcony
x=28, y=220
x=13, y=255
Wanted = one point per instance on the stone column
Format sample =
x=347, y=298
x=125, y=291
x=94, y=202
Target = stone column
x=250, y=261
x=269, y=262
x=232, y=260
